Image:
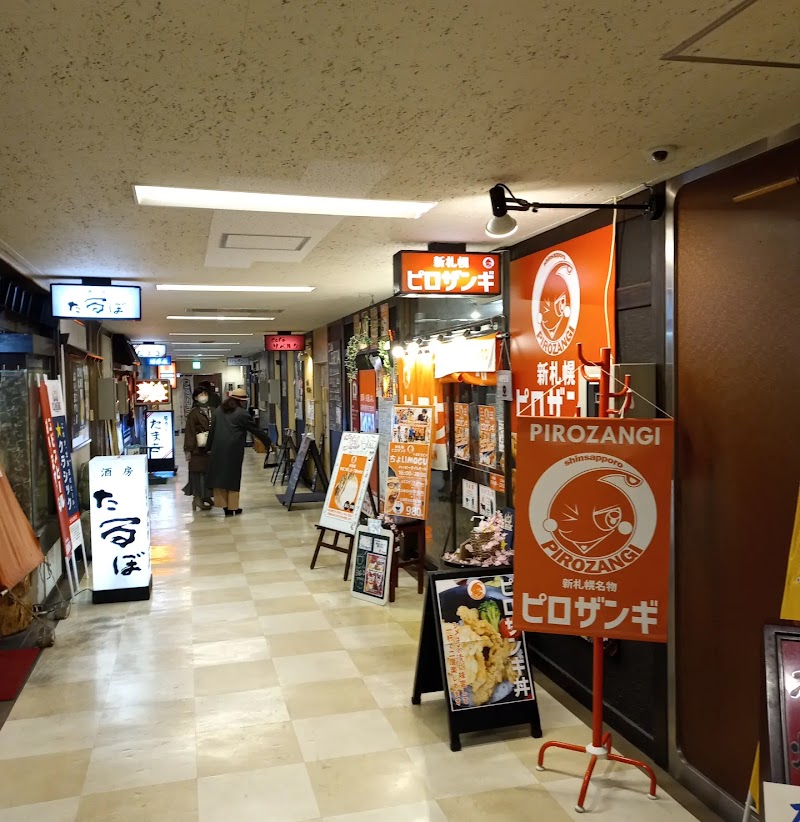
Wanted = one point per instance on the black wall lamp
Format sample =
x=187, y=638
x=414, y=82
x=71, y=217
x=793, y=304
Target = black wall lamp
x=503, y=200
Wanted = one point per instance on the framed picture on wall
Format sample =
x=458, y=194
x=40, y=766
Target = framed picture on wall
x=780, y=749
x=77, y=392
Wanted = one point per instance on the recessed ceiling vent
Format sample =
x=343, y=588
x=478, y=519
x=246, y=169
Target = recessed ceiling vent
x=263, y=242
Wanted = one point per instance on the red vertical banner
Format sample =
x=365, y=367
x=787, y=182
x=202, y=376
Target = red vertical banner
x=593, y=527
x=561, y=296
x=367, y=401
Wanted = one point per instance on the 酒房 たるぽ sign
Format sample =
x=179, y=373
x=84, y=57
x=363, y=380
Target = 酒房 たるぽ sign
x=593, y=527
x=560, y=297
x=119, y=506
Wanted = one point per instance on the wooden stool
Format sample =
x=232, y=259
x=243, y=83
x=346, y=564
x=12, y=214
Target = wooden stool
x=406, y=526
x=334, y=546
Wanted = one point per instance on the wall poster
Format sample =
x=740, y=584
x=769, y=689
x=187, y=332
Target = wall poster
x=487, y=437
x=593, y=520
x=408, y=482
x=79, y=400
x=461, y=432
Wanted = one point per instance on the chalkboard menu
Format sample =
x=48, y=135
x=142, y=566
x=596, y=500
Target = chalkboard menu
x=335, y=385
x=373, y=564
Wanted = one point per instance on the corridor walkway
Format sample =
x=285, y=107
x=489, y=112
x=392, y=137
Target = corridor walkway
x=252, y=688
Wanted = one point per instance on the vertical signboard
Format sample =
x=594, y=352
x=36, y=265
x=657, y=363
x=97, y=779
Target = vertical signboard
x=160, y=437
x=367, y=401
x=372, y=567
x=120, y=509
x=409, y=462
x=54, y=417
x=560, y=297
x=350, y=481
x=593, y=527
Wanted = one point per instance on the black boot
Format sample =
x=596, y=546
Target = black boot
x=237, y=512
x=228, y=512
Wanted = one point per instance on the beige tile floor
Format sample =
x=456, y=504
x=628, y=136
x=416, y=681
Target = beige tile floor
x=252, y=688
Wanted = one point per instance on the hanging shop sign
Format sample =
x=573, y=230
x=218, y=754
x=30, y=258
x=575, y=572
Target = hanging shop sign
x=234, y=362
x=466, y=354
x=461, y=430
x=284, y=342
x=420, y=273
x=120, y=512
x=470, y=649
x=487, y=436
x=352, y=470
x=54, y=417
x=148, y=351
x=594, y=499
x=372, y=566
x=168, y=373
x=559, y=297
x=153, y=392
x=155, y=362
x=408, y=482
x=96, y=302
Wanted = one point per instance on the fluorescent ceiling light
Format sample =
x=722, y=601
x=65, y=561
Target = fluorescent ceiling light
x=195, y=344
x=209, y=334
x=290, y=289
x=277, y=203
x=214, y=317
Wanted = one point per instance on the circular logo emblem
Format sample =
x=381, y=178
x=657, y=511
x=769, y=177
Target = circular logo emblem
x=592, y=514
x=488, y=262
x=556, y=303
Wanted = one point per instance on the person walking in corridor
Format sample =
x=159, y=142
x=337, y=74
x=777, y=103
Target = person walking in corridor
x=229, y=428
x=195, y=446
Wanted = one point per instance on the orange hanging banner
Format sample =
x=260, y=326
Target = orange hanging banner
x=593, y=527
x=559, y=296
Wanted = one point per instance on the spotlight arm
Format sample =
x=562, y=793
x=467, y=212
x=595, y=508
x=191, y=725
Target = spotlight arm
x=502, y=204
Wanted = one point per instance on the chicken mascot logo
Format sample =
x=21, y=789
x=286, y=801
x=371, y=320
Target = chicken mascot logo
x=556, y=303
x=592, y=514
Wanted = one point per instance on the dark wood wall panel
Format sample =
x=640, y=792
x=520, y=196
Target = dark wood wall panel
x=738, y=461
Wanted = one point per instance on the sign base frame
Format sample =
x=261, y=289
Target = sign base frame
x=107, y=596
x=430, y=675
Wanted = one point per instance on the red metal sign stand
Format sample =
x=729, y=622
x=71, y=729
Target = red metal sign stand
x=600, y=747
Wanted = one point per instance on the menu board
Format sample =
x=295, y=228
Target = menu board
x=335, y=385
x=408, y=482
x=485, y=658
x=487, y=437
x=461, y=430
x=351, y=473
x=373, y=564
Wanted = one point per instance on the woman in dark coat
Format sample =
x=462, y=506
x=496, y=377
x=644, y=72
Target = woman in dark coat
x=229, y=427
x=198, y=422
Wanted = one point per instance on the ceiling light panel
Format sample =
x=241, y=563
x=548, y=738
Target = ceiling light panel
x=211, y=334
x=277, y=203
x=264, y=242
x=214, y=317
x=281, y=289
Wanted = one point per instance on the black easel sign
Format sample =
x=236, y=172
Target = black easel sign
x=373, y=564
x=308, y=448
x=469, y=649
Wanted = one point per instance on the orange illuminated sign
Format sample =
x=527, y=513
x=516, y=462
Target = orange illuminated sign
x=417, y=273
x=152, y=392
x=593, y=527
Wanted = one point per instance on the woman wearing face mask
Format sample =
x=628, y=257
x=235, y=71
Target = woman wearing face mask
x=195, y=445
x=229, y=428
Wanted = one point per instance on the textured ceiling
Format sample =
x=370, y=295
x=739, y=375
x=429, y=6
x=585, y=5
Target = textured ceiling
x=430, y=100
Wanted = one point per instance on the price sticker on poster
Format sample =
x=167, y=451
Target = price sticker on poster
x=487, y=421
x=593, y=517
x=409, y=462
x=374, y=549
x=351, y=473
